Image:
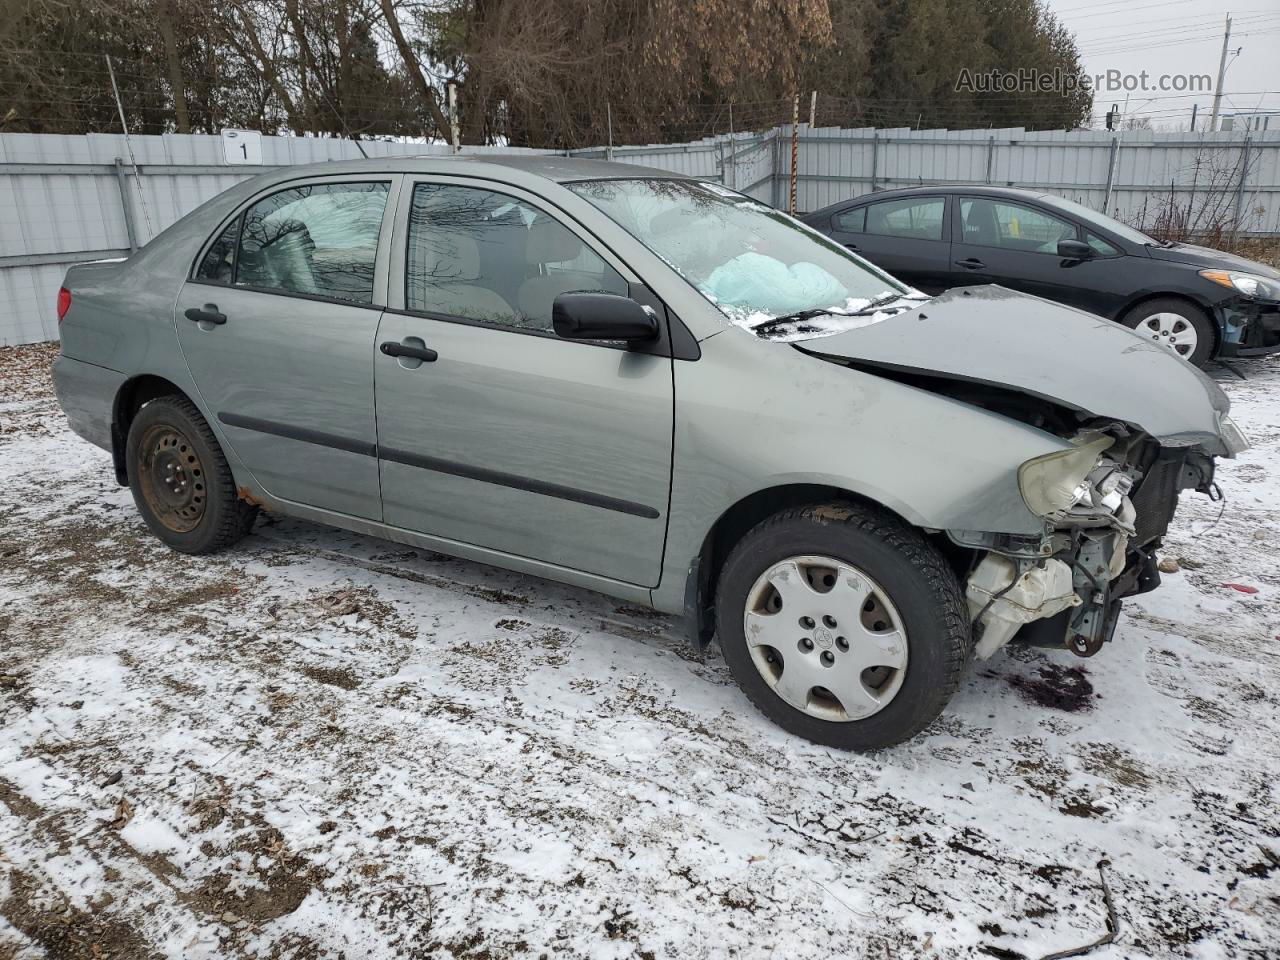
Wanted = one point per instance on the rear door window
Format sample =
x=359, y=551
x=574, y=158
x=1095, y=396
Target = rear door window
x=318, y=240
x=852, y=221
x=917, y=218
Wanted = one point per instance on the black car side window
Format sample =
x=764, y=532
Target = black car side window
x=1012, y=226
x=1101, y=247
x=319, y=240
x=219, y=260
x=852, y=221
x=916, y=218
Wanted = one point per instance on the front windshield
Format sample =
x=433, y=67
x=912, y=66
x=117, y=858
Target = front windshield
x=753, y=262
x=1096, y=219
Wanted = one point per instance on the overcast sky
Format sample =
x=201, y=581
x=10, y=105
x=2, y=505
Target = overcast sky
x=1178, y=37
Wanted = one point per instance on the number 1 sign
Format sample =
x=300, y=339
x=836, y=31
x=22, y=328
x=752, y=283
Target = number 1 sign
x=242, y=147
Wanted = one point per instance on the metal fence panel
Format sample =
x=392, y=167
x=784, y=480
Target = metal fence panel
x=62, y=198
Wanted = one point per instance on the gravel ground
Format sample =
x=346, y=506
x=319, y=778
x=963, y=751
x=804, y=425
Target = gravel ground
x=324, y=745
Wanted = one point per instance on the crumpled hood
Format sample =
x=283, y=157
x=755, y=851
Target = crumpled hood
x=995, y=336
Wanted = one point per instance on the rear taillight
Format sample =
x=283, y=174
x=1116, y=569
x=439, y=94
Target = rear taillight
x=64, y=302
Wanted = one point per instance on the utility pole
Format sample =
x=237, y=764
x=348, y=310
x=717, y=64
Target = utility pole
x=733, y=152
x=1222, y=70
x=795, y=151
x=1194, y=108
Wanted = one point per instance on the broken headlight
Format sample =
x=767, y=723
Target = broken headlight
x=1232, y=435
x=1059, y=481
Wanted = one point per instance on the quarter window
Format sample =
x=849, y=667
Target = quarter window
x=486, y=256
x=1101, y=247
x=318, y=240
x=992, y=223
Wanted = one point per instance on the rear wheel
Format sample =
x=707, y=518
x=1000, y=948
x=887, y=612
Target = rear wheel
x=842, y=625
x=1175, y=324
x=180, y=480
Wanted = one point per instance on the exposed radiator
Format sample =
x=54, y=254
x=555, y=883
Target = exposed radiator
x=1156, y=498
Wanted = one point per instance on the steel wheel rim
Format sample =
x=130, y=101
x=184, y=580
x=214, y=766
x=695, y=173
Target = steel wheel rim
x=1171, y=330
x=826, y=638
x=172, y=478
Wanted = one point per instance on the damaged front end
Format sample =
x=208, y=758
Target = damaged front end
x=1106, y=503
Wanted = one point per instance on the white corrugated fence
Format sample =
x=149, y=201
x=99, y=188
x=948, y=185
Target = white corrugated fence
x=66, y=199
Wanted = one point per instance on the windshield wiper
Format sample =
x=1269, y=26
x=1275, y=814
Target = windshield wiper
x=802, y=315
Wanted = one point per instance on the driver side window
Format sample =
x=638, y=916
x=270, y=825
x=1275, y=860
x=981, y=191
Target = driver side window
x=1012, y=226
x=480, y=255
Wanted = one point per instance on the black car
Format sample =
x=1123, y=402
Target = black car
x=1201, y=303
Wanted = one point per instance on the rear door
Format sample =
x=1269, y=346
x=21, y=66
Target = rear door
x=1016, y=245
x=499, y=434
x=277, y=327
x=906, y=236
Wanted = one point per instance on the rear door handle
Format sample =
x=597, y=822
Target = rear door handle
x=972, y=263
x=852, y=246
x=209, y=313
x=393, y=349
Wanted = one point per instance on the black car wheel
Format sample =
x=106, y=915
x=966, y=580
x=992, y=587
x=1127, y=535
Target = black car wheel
x=842, y=625
x=1176, y=324
x=180, y=480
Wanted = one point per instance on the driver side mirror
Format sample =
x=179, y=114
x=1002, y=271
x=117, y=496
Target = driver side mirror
x=602, y=316
x=1074, y=250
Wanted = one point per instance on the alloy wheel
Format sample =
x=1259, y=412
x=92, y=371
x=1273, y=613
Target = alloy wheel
x=826, y=638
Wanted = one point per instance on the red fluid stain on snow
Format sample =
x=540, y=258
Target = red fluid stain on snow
x=1243, y=588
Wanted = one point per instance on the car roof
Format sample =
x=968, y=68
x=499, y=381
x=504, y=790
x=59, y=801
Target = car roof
x=968, y=189
x=511, y=168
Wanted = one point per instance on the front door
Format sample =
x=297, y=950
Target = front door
x=494, y=432
x=277, y=328
x=1016, y=245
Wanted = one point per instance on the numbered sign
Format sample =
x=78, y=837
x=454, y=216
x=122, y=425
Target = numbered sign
x=242, y=147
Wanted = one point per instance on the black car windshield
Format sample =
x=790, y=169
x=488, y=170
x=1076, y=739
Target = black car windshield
x=1095, y=219
x=753, y=262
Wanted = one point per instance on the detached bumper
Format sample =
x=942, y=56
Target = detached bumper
x=1250, y=328
x=87, y=394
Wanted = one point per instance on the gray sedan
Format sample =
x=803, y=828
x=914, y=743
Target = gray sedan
x=653, y=387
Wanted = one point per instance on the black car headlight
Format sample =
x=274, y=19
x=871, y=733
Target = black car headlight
x=1249, y=284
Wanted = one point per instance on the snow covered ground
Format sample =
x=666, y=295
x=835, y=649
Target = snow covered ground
x=323, y=745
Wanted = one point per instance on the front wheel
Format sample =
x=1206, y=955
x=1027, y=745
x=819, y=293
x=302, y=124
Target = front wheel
x=180, y=480
x=842, y=625
x=1175, y=325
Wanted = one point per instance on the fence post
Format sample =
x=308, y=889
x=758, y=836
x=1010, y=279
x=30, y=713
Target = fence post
x=1111, y=174
x=991, y=153
x=126, y=206
x=1244, y=175
x=875, y=149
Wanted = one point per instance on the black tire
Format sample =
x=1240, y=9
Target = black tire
x=914, y=575
x=1193, y=316
x=180, y=480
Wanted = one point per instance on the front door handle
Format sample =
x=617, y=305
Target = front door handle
x=393, y=349
x=209, y=313
x=852, y=246
x=972, y=263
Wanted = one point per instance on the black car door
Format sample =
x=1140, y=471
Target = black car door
x=907, y=236
x=1014, y=244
